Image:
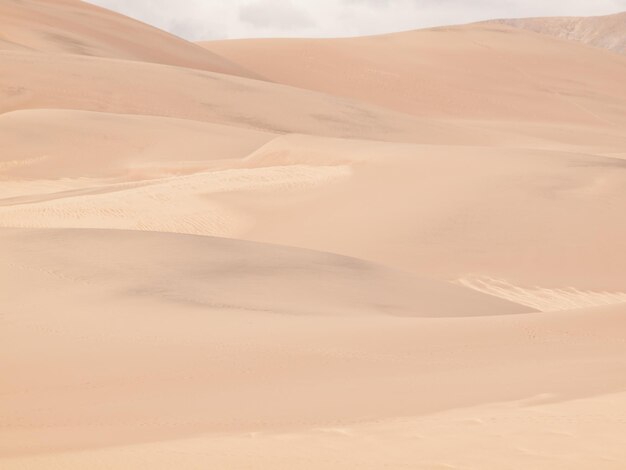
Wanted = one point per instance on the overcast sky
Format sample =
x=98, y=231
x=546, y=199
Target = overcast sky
x=220, y=19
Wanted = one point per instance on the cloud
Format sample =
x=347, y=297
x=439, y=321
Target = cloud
x=191, y=19
x=370, y=3
x=275, y=14
x=216, y=19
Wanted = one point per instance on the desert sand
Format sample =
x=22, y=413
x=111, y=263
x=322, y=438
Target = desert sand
x=399, y=251
x=473, y=72
x=598, y=31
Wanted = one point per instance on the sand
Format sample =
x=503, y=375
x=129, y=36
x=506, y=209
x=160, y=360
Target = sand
x=608, y=32
x=472, y=72
x=401, y=251
x=78, y=28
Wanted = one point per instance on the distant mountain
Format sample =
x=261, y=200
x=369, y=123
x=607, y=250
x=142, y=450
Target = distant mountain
x=608, y=32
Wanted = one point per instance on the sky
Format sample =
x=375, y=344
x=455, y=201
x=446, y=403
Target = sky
x=228, y=19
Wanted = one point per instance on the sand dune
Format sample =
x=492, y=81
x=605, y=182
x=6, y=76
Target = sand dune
x=421, y=262
x=505, y=436
x=456, y=212
x=545, y=300
x=318, y=361
x=608, y=32
x=33, y=81
x=187, y=204
x=50, y=144
x=389, y=203
x=468, y=72
x=76, y=27
x=64, y=143
x=221, y=293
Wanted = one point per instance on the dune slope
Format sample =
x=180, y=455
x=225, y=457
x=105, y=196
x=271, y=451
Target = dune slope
x=574, y=435
x=536, y=218
x=34, y=81
x=403, y=251
x=464, y=72
x=76, y=27
x=608, y=32
x=304, y=333
x=428, y=209
x=50, y=144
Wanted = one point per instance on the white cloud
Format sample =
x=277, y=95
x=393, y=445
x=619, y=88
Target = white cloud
x=211, y=19
x=281, y=15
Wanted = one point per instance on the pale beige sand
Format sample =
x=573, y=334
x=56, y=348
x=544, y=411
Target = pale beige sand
x=253, y=325
x=471, y=72
x=545, y=300
x=32, y=81
x=550, y=219
x=55, y=143
x=428, y=209
x=260, y=325
x=76, y=27
x=572, y=435
x=608, y=32
x=186, y=204
x=396, y=204
x=130, y=337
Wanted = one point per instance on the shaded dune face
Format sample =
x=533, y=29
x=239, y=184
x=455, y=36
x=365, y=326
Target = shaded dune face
x=396, y=204
x=240, y=275
x=252, y=322
x=75, y=27
x=457, y=212
x=34, y=81
x=401, y=251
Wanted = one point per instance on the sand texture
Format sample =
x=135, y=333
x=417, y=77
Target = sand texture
x=400, y=251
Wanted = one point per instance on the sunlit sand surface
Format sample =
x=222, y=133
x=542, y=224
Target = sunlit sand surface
x=401, y=251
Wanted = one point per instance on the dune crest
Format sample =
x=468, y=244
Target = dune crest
x=400, y=251
x=470, y=72
x=76, y=27
x=608, y=32
x=545, y=300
